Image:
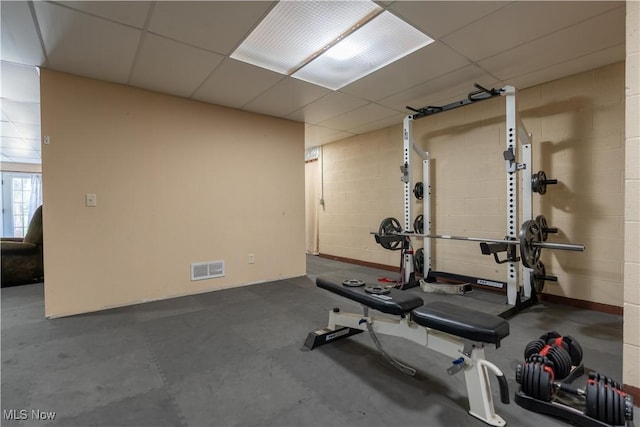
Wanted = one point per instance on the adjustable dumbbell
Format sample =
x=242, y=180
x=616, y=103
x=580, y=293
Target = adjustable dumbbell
x=605, y=400
x=561, y=352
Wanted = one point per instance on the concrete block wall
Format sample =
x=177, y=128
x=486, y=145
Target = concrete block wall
x=578, y=127
x=631, y=347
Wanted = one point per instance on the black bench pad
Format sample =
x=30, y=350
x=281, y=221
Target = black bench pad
x=463, y=322
x=396, y=302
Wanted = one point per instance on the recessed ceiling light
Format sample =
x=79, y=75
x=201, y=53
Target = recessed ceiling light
x=329, y=43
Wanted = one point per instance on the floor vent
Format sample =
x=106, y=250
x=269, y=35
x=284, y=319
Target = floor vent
x=207, y=270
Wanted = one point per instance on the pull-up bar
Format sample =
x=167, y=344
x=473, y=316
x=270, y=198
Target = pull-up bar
x=479, y=95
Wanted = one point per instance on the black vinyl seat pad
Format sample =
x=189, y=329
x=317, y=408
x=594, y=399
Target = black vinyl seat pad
x=396, y=302
x=461, y=321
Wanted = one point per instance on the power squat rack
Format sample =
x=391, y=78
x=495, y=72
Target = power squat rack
x=531, y=236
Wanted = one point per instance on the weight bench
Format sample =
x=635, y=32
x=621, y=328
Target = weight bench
x=458, y=332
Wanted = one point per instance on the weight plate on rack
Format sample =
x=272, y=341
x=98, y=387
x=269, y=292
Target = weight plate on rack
x=529, y=234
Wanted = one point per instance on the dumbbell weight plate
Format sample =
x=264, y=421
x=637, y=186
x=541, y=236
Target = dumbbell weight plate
x=561, y=361
x=602, y=401
x=532, y=348
x=535, y=380
x=617, y=409
x=545, y=385
x=592, y=398
x=575, y=350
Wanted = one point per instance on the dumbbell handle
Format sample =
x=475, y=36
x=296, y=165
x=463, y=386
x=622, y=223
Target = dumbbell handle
x=569, y=389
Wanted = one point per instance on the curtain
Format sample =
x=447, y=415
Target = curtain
x=312, y=203
x=36, y=194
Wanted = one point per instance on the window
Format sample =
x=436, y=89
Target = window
x=21, y=196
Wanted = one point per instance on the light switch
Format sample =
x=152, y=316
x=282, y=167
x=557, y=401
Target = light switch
x=91, y=200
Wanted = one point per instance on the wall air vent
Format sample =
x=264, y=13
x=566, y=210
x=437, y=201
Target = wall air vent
x=207, y=270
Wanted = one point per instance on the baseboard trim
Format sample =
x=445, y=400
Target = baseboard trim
x=633, y=391
x=359, y=262
x=555, y=299
x=578, y=303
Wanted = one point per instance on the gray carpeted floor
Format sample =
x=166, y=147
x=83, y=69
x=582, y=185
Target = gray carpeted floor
x=232, y=358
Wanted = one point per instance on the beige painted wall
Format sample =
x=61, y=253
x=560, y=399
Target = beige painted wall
x=578, y=133
x=631, y=367
x=177, y=182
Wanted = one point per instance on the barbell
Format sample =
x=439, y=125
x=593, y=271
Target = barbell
x=530, y=240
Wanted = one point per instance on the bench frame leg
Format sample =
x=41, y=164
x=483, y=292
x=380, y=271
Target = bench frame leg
x=468, y=356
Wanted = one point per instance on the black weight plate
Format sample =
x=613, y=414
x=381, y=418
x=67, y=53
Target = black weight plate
x=602, y=401
x=542, y=222
x=528, y=377
x=561, y=361
x=575, y=350
x=418, y=224
x=537, y=369
x=618, y=409
x=418, y=190
x=529, y=234
x=592, y=398
x=537, y=277
x=418, y=260
x=545, y=384
x=519, y=373
x=532, y=348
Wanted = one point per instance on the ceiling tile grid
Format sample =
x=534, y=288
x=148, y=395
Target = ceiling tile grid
x=165, y=65
x=183, y=48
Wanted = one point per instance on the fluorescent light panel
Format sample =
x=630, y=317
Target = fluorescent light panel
x=294, y=30
x=383, y=40
x=299, y=38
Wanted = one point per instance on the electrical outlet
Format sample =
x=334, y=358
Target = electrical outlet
x=91, y=200
x=252, y=259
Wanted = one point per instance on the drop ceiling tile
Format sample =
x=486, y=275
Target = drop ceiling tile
x=440, y=88
x=439, y=18
x=171, y=67
x=332, y=105
x=589, y=36
x=125, y=12
x=20, y=42
x=318, y=135
x=335, y=137
x=7, y=130
x=28, y=131
x=19, y=82
x=425, y=64
x=19, y=130
x=285, y=97
x=22, y=155
x=381, y=124
x=362, y=116
x=85, y=45
x=19, y=144
x=519, y=23
x=21, y=112
x=218, y=26
x=234, y=83
x=567, y=68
